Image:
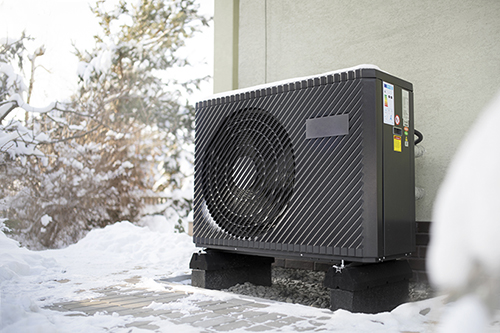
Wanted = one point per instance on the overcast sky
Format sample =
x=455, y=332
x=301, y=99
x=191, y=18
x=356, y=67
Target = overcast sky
x=57, y=24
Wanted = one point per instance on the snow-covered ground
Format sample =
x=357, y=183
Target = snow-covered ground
x=125, y=252
x=105, y=257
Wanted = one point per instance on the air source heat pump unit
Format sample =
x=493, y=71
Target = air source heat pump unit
x=317, y=169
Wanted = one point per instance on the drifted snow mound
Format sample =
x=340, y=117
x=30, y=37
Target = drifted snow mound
x=120, y=255
x=464, y=251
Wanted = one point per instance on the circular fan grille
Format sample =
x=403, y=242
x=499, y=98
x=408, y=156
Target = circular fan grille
x=249, y=174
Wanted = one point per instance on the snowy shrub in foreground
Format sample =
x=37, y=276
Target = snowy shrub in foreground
x=464, y=252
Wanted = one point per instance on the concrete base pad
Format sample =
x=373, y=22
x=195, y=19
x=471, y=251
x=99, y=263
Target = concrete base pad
x=221, y=270
x=370, y=288
x=373, y=300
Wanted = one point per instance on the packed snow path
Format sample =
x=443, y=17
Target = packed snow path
x=150, y=309
x=197, y=310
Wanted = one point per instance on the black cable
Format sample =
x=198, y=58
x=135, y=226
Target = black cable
x=420, y=136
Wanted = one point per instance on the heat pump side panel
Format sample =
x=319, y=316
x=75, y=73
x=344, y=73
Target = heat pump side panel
x=398, y=175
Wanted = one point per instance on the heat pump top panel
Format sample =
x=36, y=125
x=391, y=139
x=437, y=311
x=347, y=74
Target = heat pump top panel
x=321, y=169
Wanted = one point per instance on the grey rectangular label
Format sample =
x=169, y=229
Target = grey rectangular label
x=327, y=126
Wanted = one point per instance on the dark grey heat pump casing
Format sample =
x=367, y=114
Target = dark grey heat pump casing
x=320, y=169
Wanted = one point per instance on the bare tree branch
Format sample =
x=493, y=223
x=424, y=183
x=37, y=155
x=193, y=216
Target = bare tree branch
x=70, y=138
x=9, y=110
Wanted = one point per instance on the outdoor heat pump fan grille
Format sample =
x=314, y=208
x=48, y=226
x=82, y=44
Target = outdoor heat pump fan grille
x=319, y=169
x=249, y=173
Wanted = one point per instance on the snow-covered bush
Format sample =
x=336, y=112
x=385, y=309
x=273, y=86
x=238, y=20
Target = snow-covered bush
x=126, y=134
x=464, y=252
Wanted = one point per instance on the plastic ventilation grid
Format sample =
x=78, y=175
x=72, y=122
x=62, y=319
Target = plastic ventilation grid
x=249, y=173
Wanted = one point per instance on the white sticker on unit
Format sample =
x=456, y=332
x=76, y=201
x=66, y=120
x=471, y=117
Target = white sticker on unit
x=406, y=107
x=388, y=99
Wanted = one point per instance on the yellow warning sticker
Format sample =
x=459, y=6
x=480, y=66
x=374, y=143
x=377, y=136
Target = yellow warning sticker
x=397, y=143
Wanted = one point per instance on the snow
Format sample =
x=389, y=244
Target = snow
x=16, y=140
x=469, y=314
x=13, y=79
x=46, y=219
x=4, y=108
x=467, y=212
x=108, y=257
x=99, y=64
x=464, y=251
x=291, y=80
x=185, y=306
x=16, y=86
x=27, y=107
x=105, y=257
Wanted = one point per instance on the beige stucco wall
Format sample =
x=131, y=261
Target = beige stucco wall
x=226, y=27
x=448, y=49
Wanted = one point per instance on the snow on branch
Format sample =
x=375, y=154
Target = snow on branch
x=33, y=109
x=16, y=101
x=17, y=140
